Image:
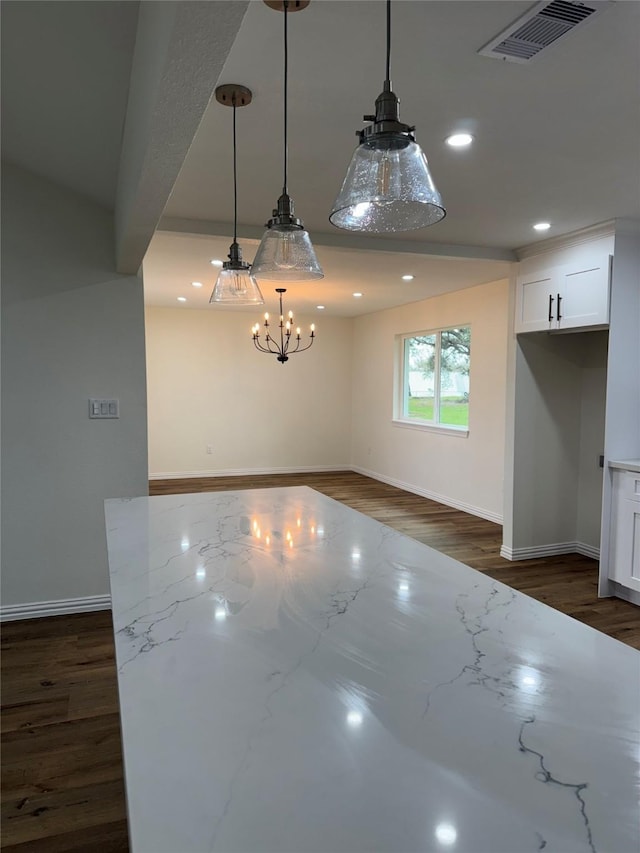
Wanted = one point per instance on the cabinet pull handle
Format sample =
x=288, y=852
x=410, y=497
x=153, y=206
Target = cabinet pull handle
x=550, y=308
x=559, y=315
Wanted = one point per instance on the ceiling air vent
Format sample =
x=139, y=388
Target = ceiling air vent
x=543, y=24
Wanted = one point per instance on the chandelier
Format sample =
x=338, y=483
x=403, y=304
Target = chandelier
x=289, y=343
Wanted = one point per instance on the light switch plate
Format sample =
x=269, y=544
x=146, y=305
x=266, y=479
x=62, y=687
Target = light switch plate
x=103, y=408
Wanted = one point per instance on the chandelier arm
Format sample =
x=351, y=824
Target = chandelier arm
x=302, y=349
x=267, y=349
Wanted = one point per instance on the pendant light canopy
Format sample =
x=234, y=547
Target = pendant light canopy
x=388, y=186
x=285, y=252
x=235, y=284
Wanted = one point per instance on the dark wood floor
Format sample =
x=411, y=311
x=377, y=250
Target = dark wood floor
x=62, y=784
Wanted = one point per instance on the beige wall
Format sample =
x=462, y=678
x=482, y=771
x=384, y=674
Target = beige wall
x=330, y=407
x=463, y=472
x=207, y=385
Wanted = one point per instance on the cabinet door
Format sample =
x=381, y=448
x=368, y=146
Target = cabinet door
x=625, y=534
x=536, y=296
x=584, y=295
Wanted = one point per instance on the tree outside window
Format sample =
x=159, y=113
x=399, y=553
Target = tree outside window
x=435, y=369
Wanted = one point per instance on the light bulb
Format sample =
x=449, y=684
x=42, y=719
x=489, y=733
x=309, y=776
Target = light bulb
x=384, y=176
x=239, y=284
x=284, y=256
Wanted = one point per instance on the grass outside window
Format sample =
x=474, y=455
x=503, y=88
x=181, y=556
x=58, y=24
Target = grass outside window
x=434, y=377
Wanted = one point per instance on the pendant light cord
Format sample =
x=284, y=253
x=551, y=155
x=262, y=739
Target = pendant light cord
x=388, y=79
x=286, y=76
x=235, y=177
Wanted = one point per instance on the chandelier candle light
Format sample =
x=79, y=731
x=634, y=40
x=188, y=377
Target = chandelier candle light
x=281, y=349
x=285, y=252
x=235, y=284
x=388, y=186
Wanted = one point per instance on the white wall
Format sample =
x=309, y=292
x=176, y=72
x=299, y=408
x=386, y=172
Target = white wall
x=593, y=391
x=463, y=472
x=559, y=434
x=71, y=329
x=207, y=385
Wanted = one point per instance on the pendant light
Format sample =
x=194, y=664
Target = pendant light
x=388, y=186
x=235, y=284
x=285, y=252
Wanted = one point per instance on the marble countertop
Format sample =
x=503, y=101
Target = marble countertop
x=295, y=676
x=626, y=465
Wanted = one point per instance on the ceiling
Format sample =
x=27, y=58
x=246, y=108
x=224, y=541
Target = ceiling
x=65, y=80
x=555, y=140
x=377, y=275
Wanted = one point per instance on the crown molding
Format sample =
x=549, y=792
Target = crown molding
x=343, y=240
x=565, y=241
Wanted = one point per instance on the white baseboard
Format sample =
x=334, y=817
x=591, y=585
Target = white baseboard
x=433, y=496
x=61, y=607
x=553, y=550
x=319, y=469
x=243, y=472
x=588, y=550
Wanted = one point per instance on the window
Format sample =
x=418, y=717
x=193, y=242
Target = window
x=434, y=378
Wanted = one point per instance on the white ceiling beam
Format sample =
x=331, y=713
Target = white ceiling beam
x=344, y=240
x=180, y=50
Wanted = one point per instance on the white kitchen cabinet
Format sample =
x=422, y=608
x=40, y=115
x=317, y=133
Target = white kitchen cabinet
x=624, y=561
x=569, y=296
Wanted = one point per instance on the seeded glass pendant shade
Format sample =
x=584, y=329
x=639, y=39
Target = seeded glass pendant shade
x=235, y=284
x=388, y=186
x=387, y=189
x=285, y=252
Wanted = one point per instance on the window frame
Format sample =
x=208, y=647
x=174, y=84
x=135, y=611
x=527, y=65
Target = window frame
x=401, y=391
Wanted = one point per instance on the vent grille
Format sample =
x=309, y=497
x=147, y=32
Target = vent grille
x=542, y=25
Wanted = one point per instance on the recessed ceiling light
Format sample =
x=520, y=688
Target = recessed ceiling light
x=216, y=262
x=407, y=278
x=542, y=226
x=182, y=298
x=357, y=295
x=196, y=283
x=320, y=307
x=459, y=140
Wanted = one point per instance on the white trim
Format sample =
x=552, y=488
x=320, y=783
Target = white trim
x=621, y=591
x=346, y=240
x=432, y=496
x=460, y=432
x=244, y=472
x=60, y=607
x=564, y=241
x=588, y=550
x=553, y=550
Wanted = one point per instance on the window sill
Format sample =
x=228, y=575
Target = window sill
x=458, y=432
